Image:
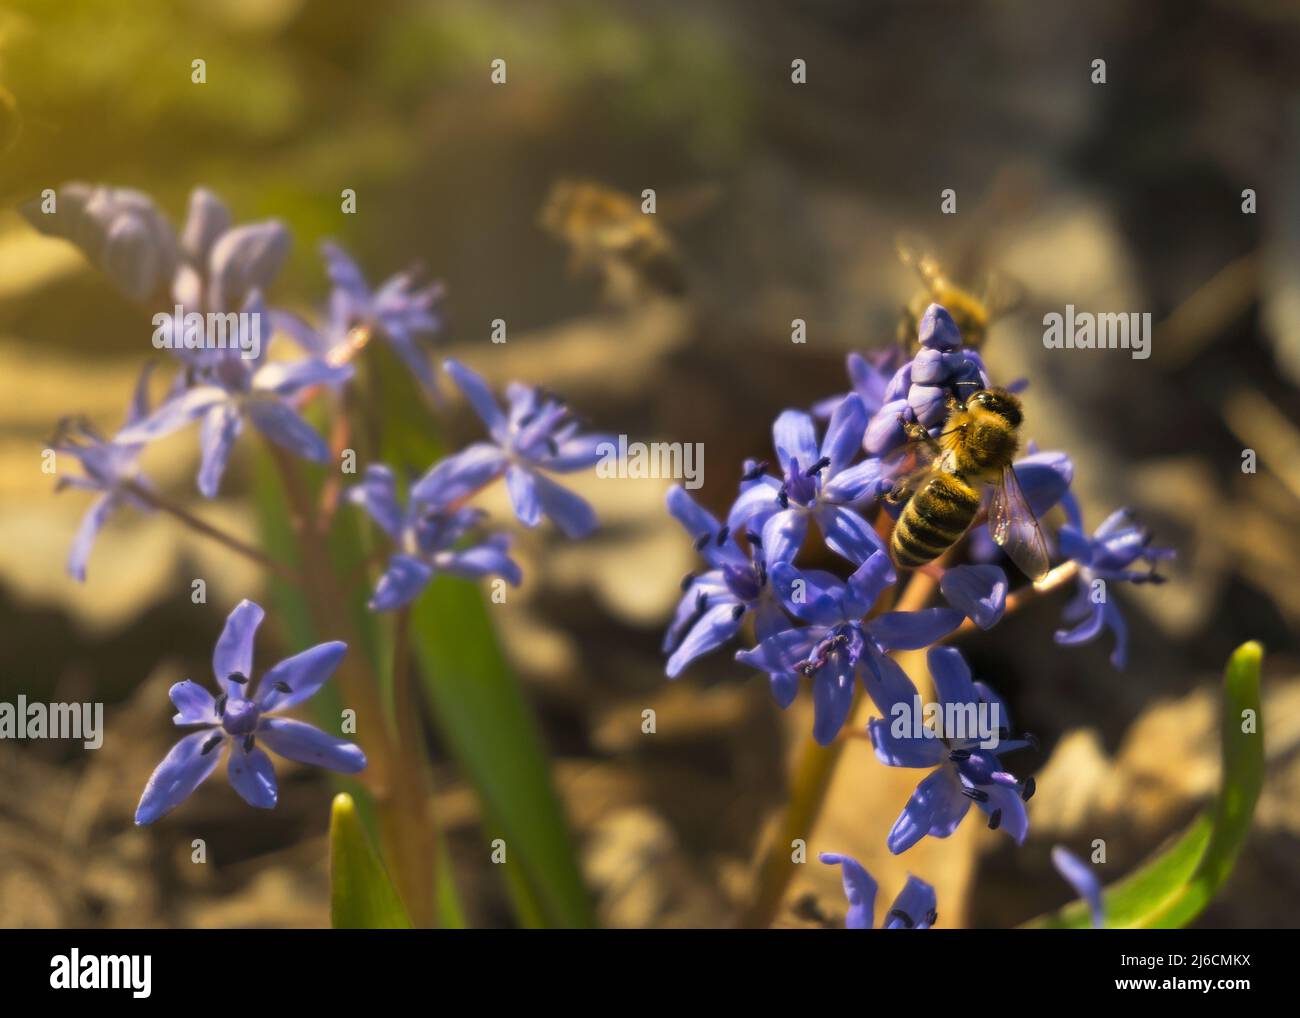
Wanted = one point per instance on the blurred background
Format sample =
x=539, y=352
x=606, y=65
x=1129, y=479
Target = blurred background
x=1123, y=196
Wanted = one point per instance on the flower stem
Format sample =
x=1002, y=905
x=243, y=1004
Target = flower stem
x=814, y=770
x=200, y=526
x=403, y=794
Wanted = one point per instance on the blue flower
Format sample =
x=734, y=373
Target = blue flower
x=1079, y=875
x=239, y=719
x=921, y=388
x=109, y=466
x=1110, y=556
x=535, y=435
x=837, y=641
x=913, y=909
x=869, y=376
x=816, y=482
x=222, y=265
x=965, y=770
x=228, y=387
x=714, y=603
x=427, y=536
x=400, y=312
x=121, y=231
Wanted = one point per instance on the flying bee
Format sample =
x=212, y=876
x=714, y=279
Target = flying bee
x=972, y=312
x=942, y=496
x=613, y=233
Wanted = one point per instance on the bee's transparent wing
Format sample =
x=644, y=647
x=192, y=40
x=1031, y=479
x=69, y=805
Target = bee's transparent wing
x=1013, y=526
x=912, y=465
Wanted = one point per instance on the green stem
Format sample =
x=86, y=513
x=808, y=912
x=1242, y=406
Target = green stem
x=403, y=796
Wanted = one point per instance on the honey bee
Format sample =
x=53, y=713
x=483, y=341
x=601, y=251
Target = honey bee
x=973, y=313
x=607, y=230
x=941, y=498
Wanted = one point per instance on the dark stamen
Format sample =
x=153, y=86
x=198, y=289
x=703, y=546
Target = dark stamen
x=902, y=917
x=738, y=611
x=701, y=601
x=995, y=820
x=931, y=917
x=1030, y=787
x=755, y=472
x=687, y=580
x=753, y=539
x=552, y=446
x=783, y=497
x=723, y=534
x=248, y=743
x=818, y=467
x=213, y=742
x=238, y=678
x=959, y=754
x=702, y=541
x=220, y=705
x=282, y=687
x=978, y=794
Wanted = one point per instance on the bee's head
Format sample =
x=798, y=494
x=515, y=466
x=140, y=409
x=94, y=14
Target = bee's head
x=997, y=401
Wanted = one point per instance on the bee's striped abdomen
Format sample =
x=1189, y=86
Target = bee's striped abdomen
x=933, y=520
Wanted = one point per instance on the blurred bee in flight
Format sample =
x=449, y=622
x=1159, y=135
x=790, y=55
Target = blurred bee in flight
x=620, y=237
x=941, y=489
x=973, y=313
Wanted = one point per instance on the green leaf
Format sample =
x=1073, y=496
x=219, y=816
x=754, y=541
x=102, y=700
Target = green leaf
x=362, y=896
x=1173, y=888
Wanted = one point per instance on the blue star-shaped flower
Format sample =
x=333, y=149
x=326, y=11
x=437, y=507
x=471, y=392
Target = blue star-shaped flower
x=239, y=719
x=428, y=537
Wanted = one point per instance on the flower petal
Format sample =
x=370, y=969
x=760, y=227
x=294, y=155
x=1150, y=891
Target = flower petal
x=903, y=751
x=859, y=888
x=1079, y=875
x=795, y=437
x=832, y=698
x=459, y=476
x=913, y=908
x=951, y=675
x=479, y=395
x=304, y=743
x=377, y=495
x=173, y=415
x=98, y=513
x=913, y=630
x=194, y=704
x=490, y=558
x=937, y=806
x=571, y=513
x=715, y=627
x=843, y=436
x=182, y=770
x=848, y=534
x=221, y=427
x=252, y=775
x=233, y=654
x=402, y=581
x=783, y=535
x=978, y=592
x=1013, y=818
x=285, y=428
x=303, y=673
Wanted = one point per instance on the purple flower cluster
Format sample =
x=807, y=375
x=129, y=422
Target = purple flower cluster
x=212, y=270
x=836, y=633
x=215, y=268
